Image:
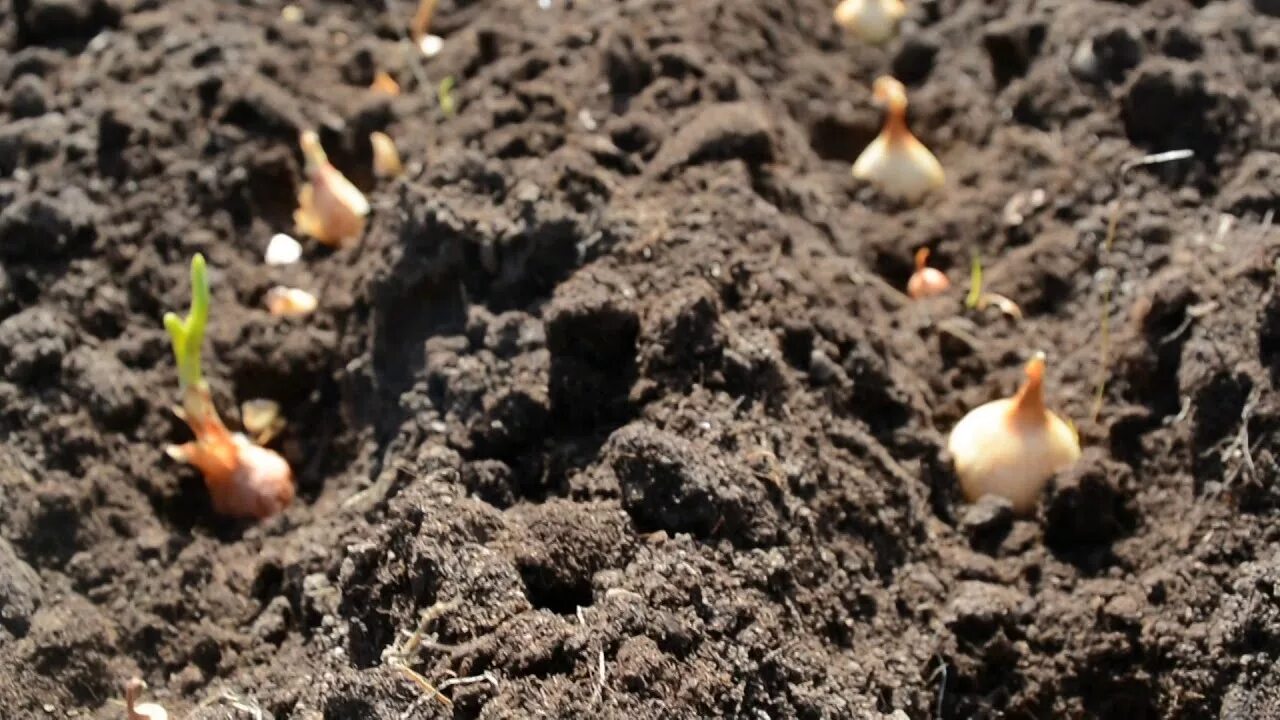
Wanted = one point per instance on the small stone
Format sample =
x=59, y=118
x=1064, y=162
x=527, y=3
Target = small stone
x=283, y=250
x=431, y=45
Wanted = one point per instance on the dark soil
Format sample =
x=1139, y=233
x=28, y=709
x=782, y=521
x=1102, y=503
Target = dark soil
x=618, y=388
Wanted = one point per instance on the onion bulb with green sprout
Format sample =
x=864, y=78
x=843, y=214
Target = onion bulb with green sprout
x=244, y=480
x=330, y=208
x=896, y=162
x=871, y=21
x=1012, y=447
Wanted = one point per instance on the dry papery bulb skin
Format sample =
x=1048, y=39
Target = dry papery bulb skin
x=871, y=21
x=385, y=84
x=1012, y=447
x=896, y=162
x=290, y=302
x=330, y=208
x=926, y=281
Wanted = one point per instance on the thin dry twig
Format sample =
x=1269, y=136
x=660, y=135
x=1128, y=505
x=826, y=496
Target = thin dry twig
x=941, y=670
x=422, y=18
x=1240, y=445
x=423, y=684
x=428, y=616
x=1104, y=341
x=486, y=676
x=398, y=658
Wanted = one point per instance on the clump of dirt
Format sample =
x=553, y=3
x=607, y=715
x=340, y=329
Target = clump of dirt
x=616, y=410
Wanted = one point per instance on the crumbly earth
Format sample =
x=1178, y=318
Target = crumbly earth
x=618, y=401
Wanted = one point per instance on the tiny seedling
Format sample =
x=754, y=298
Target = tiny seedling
x=975, y=283
x=187, y=334
x=444, y=94
x=980, y=299
x=244, y=479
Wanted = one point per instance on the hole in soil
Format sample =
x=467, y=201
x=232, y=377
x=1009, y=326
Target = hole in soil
x=528, y=267
x=833, y=139
x=268, y=582
x=1269, y=336
x=348, y=709
x=403, y=322
x=547, y=592
x=1114, y=697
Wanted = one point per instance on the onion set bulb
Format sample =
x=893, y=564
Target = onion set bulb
x=1013, y=446
x=137, y=710
x=330, y=208
x=871, y=21
x=896, y=162
x=926, y=281
x=386, y=158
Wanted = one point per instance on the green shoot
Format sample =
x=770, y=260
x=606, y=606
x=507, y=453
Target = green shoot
x=188, y=334
x=444, y=94
x=974, y=298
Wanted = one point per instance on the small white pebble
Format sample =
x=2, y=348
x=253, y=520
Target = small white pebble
x=431, y=45
x=47, y=708
x=588, y=122
x=544, y=4
x=283, y=250
x=291, y=14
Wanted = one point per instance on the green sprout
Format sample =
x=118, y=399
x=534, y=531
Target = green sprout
x=974, y=298
x=444, y=94
x=188, y=334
